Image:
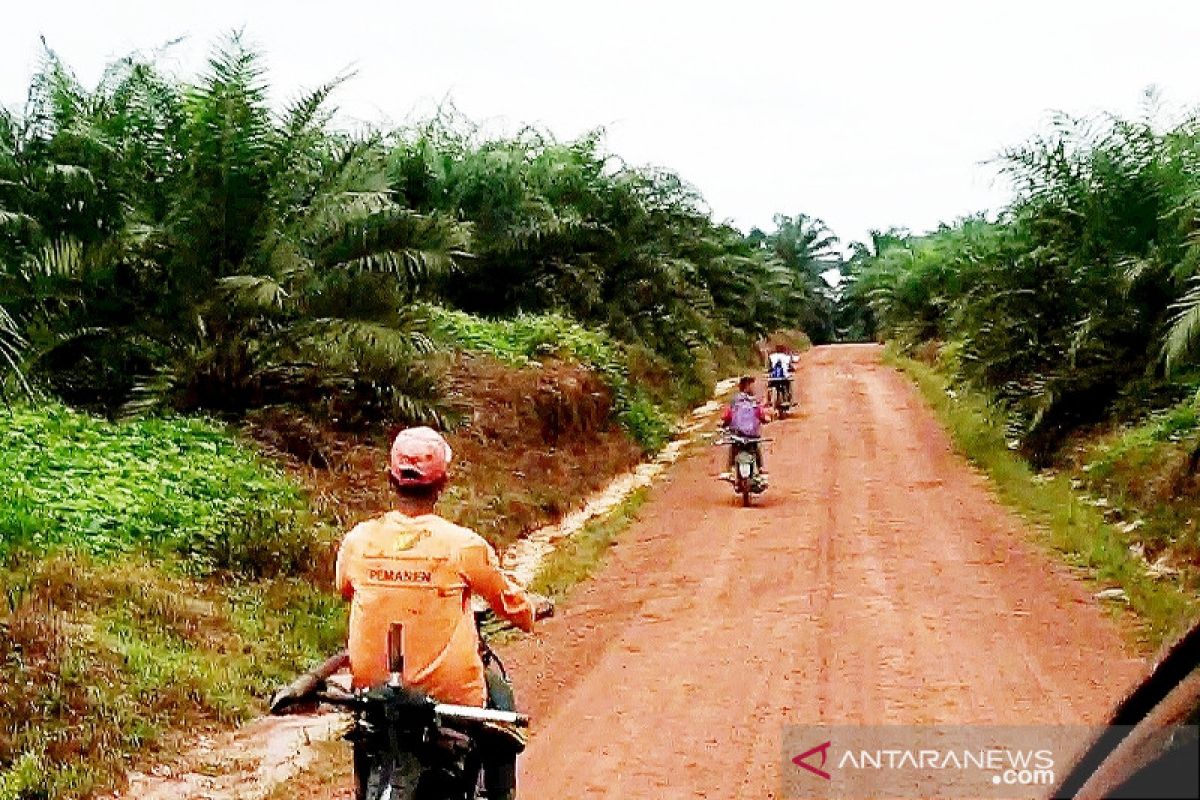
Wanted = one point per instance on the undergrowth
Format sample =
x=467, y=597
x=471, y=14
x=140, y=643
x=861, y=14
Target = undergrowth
x=525, y=338
x=143, y=593
x=1072, y=525
x=175, y=486
x=103, y=665
x=159, y=577
x=1149, y=474
x=530, y=339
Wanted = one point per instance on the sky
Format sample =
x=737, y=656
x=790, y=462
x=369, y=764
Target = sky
x=865, y=114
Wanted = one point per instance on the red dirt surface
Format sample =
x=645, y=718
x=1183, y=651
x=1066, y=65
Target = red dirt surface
x=877, y=581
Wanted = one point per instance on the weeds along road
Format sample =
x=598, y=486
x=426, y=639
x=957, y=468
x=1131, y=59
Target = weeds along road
x=878, y=581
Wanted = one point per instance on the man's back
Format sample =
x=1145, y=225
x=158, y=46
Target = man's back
x=420, y=572
x=780, y=361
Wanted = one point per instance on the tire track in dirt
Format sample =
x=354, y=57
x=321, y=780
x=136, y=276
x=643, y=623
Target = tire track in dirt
x=878, y=581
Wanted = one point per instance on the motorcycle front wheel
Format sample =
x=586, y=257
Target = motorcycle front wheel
x=401, y=781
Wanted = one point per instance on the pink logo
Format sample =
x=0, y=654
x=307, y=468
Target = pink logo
x=823, y=749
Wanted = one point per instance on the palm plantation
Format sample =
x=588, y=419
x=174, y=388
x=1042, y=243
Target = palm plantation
x=189, y=247
x=1079, y=300
x=173, y=249
x=182, y=245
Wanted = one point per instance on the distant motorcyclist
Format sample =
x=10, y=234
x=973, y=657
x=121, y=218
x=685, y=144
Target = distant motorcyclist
x=412, y=567
x=779, y=362
x=745, y=416
x=779, y=371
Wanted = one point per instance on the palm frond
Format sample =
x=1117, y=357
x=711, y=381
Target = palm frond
x=17, y=223
x=345, y=340
x=62, y=259
x=257, y=292
x=413, y=247
x=12, y=348
x=1184, y=327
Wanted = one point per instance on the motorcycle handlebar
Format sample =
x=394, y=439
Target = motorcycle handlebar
x=543, y=608
x=727, y=439
x=309, y=682
x=445, y=711
x=473, y=714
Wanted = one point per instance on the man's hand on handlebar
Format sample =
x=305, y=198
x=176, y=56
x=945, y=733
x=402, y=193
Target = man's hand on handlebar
x=543, y=607
x=288, y=701
x=299, y=695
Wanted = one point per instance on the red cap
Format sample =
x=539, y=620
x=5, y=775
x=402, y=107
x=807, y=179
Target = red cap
x=419, y=457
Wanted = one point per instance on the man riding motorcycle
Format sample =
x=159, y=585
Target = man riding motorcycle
x=780, y=366
x=413, y=567
x=780, y=360
x=745, y=416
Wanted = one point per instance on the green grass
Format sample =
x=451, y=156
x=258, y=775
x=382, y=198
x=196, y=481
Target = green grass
x=580, y=555
x=103, y=663
x=525, y=338
x=142, y=593
x=1070, y=525
x=181, y=487
x=1150, y=474
x=1144, y=443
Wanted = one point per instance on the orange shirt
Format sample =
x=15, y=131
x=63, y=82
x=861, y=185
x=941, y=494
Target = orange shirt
x=421, y=572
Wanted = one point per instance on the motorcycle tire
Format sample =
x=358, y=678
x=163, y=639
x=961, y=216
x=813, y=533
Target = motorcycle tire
x=397, y=781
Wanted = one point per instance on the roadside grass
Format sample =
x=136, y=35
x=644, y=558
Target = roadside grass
x=1070, y=525
x=1149, y=476
x=154, y=581
x=577, y=557
x=163, y=487
x=105, y=666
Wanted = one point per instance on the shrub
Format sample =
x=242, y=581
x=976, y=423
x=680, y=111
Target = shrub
x=527, y=338
x=646, y=423
x=168, y=486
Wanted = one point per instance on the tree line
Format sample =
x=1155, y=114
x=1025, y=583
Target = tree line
x=181, y=244
x=1077, y=303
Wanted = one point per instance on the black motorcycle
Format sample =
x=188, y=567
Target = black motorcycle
x=416, y=748
x=746, y=477
x=779, y=395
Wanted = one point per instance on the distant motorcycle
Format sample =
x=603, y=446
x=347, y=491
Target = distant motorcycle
x=745, y=476
x=779, y=395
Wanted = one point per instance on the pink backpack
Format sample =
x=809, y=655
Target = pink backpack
x=744, y=416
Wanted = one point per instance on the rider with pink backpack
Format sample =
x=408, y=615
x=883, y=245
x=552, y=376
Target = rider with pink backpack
x=745, y=416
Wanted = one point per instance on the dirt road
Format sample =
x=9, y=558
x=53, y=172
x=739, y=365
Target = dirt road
x=877, y=582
